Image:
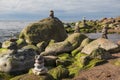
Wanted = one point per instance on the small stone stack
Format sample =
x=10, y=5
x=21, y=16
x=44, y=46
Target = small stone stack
x=39, y=68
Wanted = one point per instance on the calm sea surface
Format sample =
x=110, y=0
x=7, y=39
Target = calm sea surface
x=7, y=28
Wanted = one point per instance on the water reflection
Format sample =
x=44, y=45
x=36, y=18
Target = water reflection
x=113, y=37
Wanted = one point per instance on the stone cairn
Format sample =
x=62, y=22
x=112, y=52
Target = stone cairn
x=39, y=68
x=84, y=22
x=77, y=28
x=104, y=32
x=51, y=14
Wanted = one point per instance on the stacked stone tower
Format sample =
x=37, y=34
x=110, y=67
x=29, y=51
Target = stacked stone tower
x=39, y=67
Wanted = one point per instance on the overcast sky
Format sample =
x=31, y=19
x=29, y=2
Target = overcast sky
x=70, y=10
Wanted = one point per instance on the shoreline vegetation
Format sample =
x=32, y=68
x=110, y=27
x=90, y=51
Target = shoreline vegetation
x=68, y=53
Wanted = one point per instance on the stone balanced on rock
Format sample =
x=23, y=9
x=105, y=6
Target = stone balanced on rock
x=51, y=14
x=39, y=68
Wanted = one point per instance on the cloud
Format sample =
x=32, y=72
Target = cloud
x=64, y=7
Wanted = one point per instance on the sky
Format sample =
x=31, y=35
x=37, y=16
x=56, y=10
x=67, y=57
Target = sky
x=66, y=10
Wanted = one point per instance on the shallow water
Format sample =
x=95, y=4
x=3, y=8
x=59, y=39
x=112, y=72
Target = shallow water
x=113, y=37
x=7, y=28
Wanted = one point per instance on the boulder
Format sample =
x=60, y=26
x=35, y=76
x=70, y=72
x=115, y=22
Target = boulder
x=31, y=47
x=44, y=30
x=20, y=60
x=100, y=53
x=9, y=45
x=64, y=59
x=72, y=42
x=6, y=51
x=21, y=43
x=50, y=61
x=41, y=46
x=83, y=44
x=33, y=77
x=59, y=72
x=100, y=42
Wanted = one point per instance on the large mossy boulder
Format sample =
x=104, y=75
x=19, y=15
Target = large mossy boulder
x=70, y=43
x=33, y=77
x=44, y=30
x=100, y=42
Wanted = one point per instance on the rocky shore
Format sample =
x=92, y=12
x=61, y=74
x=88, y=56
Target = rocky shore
x=61, y=55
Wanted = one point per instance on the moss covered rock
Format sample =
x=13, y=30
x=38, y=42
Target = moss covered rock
x=83, y=44
x=100, y=53
x=5, y=51
x=70, y=43
x=100, y=42
x=21, y=43
x=59, y=72
x=44, y=30
x=82, y=61
x=9, y=45
x=32, y=47
x=33, y=77
x=41, y=46
x=64, y=59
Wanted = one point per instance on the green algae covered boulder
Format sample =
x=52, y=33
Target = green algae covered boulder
x=70, y=43
x=100, y=53
x=83, y=44
x=75, y=39
x=9, y=45
x=64, y=59
x=5, y=51
x=44, y=30
x=21, y=43
x=82, y=61
x=59, y=73
x=32, y=47
x=33, y=77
